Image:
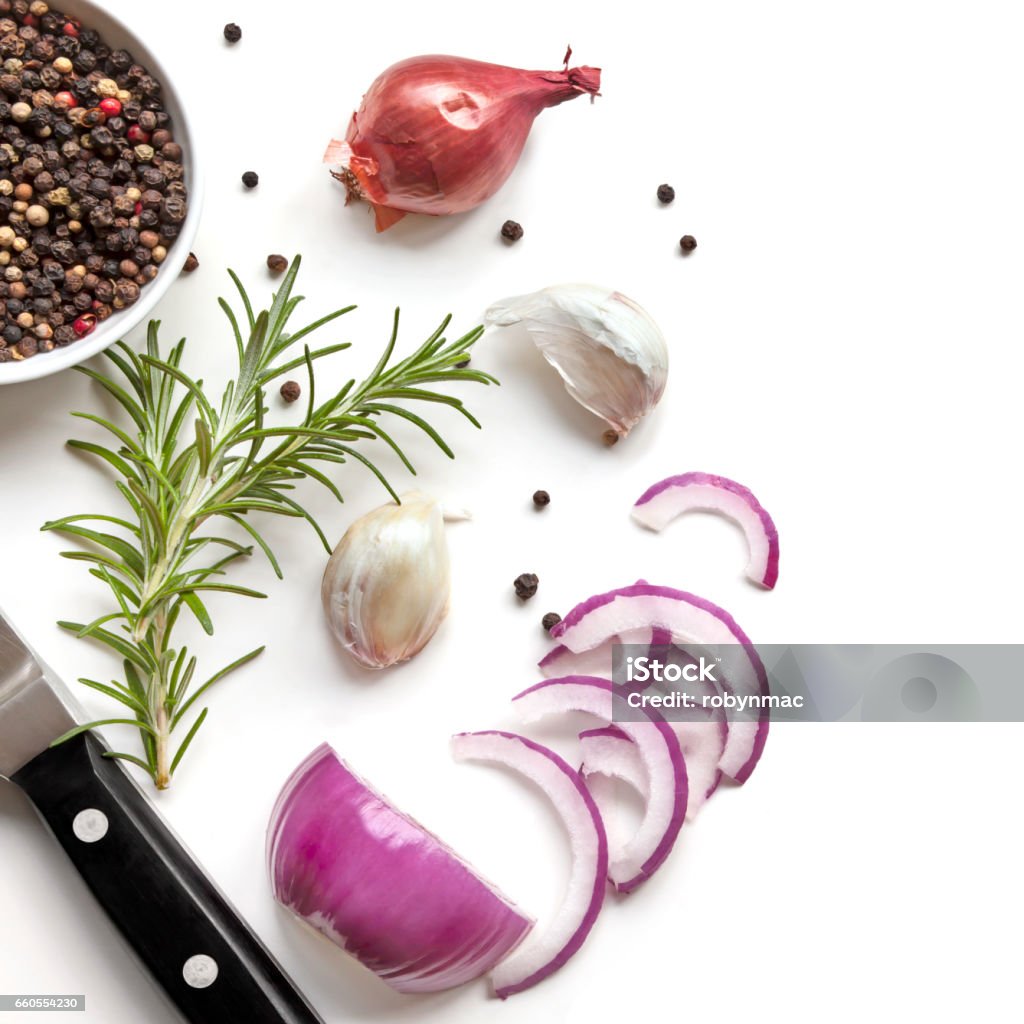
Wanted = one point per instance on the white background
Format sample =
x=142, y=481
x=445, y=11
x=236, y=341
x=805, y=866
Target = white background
x=845, y=340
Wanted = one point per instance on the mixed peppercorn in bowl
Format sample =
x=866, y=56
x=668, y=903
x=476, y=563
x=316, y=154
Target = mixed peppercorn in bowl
x=98, y=184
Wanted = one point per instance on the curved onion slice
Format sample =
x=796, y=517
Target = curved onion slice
x=660, y=504
x=689, y=619
x=545, y=951
x=379, y=885
x=609, y=751
x=560, y=661
x=660, y=755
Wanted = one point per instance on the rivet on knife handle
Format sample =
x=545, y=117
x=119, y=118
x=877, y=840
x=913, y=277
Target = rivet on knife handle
x=211, y=965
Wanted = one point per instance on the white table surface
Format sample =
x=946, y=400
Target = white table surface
x=845, y=340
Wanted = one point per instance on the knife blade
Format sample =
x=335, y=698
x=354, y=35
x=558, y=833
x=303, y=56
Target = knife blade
x=198, y=948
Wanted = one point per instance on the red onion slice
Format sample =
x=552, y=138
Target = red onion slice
x=544, y=952
x=610, y=752
x=560, y=661
x=380, y=886
x=660, y=755
x=660, y=504
x=688, y=619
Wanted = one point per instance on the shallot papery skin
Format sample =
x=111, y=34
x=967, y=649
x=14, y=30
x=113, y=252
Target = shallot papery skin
x=440, y=135
x=379, y=885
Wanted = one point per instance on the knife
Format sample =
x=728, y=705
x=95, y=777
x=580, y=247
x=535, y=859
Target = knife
x=195, y=944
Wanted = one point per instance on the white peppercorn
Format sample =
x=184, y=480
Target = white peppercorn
x=37, y=216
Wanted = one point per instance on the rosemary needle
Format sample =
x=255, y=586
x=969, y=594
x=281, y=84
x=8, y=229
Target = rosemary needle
x=182, y=462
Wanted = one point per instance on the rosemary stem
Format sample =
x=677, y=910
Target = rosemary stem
x=163, y=743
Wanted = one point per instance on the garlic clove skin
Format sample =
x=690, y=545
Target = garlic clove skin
x=386, y=587
x=610, y=354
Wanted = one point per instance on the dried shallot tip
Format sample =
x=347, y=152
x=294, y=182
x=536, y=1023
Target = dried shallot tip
x=666, y=193
x=459, y=126
x=525, y=585
x=687, y=243
x=232, y=33
x=550, y=620
x=190, y=264
x=511, y=231
x=250, y=179
x=277, y=264
x=290, y=391
x=541, y=499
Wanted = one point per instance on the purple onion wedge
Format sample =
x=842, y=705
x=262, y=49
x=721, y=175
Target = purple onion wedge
x=662, y=502
x=685, y=619
x=660, y=754
x=380, y=886
x=544, y=952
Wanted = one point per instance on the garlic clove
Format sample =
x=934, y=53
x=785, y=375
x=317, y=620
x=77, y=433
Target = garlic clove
x=610, y=354
x=386, y=587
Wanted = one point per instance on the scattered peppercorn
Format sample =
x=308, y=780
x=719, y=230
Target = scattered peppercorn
x=511, y=231
x=610, y=437
x=666, y=193
x=526, y=585
x=232, y=33
x=190, y=264
x=250, y=179
x=550, y=620
x=687, y=243
x=462, y=363
x=290, y=391
x=277, y=263
x=541, y=498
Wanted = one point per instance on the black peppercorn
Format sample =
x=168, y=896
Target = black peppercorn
x=290, y=391
x=190, y=264
x=80, y=178
x=687, y=243
x=172, y=210
x=666, y=193
x=462, y=363
x=541, y=499
x=250, y=179
x=511, y=231
x=232, y=33
x=276, y=263
x=525, y=585
x=550, y=620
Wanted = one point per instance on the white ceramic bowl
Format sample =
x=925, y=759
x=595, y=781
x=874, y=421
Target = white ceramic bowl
x=117, y=35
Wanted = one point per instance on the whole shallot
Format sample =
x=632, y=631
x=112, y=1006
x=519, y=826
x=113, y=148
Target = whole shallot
x=439, y=135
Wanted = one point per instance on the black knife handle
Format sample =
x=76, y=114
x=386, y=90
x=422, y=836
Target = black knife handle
x=172, y=915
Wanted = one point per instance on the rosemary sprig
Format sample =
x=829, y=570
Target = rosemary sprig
x=182, y=461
